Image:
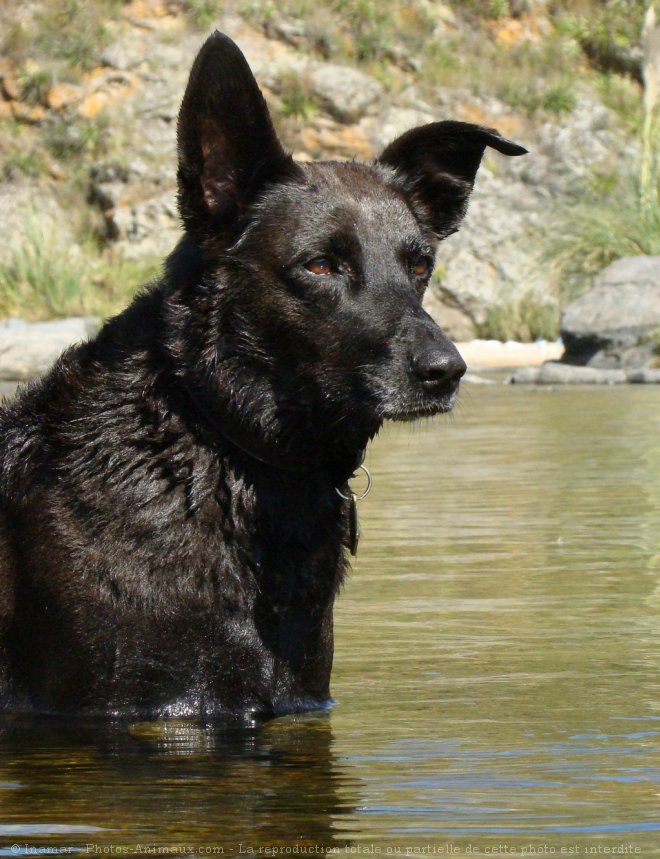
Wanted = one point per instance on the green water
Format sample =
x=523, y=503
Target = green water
x=496, y=669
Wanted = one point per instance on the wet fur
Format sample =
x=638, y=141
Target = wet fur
x=171, y=537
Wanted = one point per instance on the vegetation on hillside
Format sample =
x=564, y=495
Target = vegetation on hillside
x=569, y=47
x=617, y=215
x=45, y=277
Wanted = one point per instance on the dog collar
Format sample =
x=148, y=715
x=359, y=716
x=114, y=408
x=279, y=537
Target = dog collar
x=354, y=531
x=230, y=432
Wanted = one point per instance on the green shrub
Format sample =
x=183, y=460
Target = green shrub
x=41, y=273
x=622, y=95
x=29, y=163
x=606, y=31
x=202, y=13
x=297, y=99
x=35, y=85
x=70, y=137
x=16, y=41
x=373, y=25
x=607, y=222
x=75, y=31
x=532, y=96
x=526, y=319
x=493, y=8
x=367, y=31
x=45, y=277
x=559, y=99
x=529, y=77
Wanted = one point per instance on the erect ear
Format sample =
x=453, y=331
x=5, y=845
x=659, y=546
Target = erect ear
x=438, y=163
x=227, y=144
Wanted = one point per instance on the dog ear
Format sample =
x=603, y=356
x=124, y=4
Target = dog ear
x=438, y=164
x=227, y=145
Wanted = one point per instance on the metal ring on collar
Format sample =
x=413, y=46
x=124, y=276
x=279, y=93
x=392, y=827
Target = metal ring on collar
x=366, y=491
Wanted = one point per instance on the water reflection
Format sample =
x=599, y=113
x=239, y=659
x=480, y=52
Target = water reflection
x=172, y=784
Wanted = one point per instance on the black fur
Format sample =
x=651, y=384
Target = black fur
x=171, y=537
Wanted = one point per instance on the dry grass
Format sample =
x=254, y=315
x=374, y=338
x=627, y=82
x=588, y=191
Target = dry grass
x=45, y=277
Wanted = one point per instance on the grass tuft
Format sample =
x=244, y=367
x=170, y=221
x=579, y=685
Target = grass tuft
x=526, y=320
x=70, y=137
x=30, y=163
x=35, y=85
x=202, y=13
x=608, y=32
x=297, y=101
x=45, y=278
x=610, y=221
x=75, y=31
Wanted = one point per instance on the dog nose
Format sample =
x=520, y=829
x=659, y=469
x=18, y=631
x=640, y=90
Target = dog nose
x=437, y=368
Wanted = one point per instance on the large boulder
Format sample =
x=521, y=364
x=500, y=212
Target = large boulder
x=494, y=260
x=346, y=93
x=615, y=324
x=556, y=373
x=29, y=349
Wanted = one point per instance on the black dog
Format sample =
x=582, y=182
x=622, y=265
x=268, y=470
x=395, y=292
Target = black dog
x=171, y=534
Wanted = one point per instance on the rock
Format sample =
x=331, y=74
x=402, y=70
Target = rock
x=612, y=324
x=128, y=52
x=31, y=115
x=10, y=86
x=456, y=324
x=494, y=261
x=491, y=261
x=345, y=93
x=395, y=120
x=472, y=379
x=63, y=95
x=139, y=207
x=28, y=349
x=148, y=227
x=441, y=14
x=336, y=141
x=491, y=354
x=526, y=376
x=137, y=198
x=558, y=373
x=291, y=31
x=109, y=93
x=568, y=152
x=645, y=376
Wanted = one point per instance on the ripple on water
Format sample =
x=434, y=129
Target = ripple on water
x=496, y=668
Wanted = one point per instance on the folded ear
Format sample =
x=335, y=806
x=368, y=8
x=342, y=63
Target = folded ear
x=438, y=164
x=227, y=145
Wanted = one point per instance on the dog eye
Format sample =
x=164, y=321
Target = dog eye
x=422, y=267
x=319, y=265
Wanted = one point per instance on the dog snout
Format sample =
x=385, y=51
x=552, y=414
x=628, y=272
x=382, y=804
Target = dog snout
x=438, y=368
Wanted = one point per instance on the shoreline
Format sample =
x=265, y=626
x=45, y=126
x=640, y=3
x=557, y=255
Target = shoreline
x=511, y=355
x=27, y=350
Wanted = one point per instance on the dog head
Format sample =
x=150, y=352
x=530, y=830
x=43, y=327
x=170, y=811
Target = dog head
x=313, y=273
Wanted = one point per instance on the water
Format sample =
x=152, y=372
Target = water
x=496, y=669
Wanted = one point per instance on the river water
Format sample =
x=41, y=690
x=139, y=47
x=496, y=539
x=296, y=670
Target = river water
x=496, y=669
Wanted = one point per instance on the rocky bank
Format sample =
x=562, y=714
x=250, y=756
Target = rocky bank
x=324, y=109
x=611, y=333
